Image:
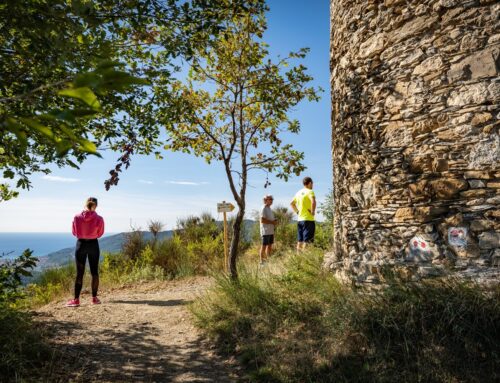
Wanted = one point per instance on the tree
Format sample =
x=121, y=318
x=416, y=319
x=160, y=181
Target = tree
x=155, y=227
x=241, y=116
x=327, y=207
x=63, y=94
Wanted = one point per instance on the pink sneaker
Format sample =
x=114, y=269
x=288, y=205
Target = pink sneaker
x=73, y=303
x=96, y=301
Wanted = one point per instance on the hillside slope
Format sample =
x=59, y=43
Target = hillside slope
x=111, y=244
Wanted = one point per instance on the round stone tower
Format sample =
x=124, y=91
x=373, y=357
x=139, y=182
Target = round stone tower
x=415, y=137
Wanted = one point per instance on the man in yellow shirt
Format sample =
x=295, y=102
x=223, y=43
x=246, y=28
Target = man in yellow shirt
x=304, y=204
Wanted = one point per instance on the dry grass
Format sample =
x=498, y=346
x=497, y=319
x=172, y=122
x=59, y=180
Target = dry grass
x=296, y=323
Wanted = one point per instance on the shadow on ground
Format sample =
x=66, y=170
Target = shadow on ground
x=170, y=302
x=130, y=355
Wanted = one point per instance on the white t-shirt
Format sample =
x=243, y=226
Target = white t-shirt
x=266, y=228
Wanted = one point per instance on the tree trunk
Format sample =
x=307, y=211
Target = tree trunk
x=235, y=242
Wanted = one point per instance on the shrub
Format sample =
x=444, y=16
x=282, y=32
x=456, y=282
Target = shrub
x=11, y=274
x=133, y=244
x=23, y=350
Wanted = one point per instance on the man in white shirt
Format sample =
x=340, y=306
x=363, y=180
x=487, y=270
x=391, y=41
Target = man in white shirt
x=267, y=224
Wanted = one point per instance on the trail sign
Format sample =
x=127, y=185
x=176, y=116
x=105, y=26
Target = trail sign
x=225, y=207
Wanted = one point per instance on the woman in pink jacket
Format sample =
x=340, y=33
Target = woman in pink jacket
x=87, y=227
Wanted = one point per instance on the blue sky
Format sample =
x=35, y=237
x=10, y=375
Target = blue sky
x=181, y=185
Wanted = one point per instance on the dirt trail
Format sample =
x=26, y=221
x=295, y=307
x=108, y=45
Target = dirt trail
x=142, y=333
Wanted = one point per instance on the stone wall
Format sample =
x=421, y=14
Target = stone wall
x=415, y=137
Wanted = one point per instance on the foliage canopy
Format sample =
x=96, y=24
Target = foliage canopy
x=74, y=76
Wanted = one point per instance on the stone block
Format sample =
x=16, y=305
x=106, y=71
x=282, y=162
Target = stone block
x=475, y=193
x=489, y=240
x=447, y=188
x=493, y=214
x=481, y=118
x=403, y=214
x=419, y=189
x=493, y=185
x=479, y=65
x=485, y=153
x=415, y=25
x=439, y=165
x=420, y=164
x=481, y=225
x=476, y=184
x=373, y=46
x=425, y=214
x=484, y=175
x=431, y=65
x=468, y=95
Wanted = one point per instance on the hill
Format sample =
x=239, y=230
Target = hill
x=111, y=244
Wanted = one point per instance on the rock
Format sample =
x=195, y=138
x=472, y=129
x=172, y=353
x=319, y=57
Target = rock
x=440, y=165
x=480, y=118
x=424, y=214
x=489, y=240
x=446, y=188
x=469, y=95
x=476, y=184
x=485, y=153
x=373, y=46
x=403, y=214
x=493, y=185
x=493, y=214
x=421, y=164
x=432, y=64
x=418, y=24
x=479, y=65
x=476, y=193
x=485, y=175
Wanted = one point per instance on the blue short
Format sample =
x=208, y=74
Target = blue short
x=305, y=231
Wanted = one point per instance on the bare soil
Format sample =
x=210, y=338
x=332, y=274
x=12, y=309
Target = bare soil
x=141, y=333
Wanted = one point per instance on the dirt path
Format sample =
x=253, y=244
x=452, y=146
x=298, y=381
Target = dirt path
x=141, y=334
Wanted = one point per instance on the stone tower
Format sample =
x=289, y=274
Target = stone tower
x=415, y=137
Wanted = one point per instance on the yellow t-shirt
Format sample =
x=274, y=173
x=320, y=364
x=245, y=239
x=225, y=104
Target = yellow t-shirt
x=303, y=201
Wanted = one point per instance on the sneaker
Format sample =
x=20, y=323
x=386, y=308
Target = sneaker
x=73, y=303
x=96, y=301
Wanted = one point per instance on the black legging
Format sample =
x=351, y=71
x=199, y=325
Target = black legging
x=84, y=248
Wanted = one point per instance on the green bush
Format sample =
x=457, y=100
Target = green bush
x=23, y=350
x=11, y=274
x=301, y=325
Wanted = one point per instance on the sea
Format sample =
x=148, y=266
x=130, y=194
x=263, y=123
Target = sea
x=13, y=244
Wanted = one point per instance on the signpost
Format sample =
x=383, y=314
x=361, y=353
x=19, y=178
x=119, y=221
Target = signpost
x=225, y=207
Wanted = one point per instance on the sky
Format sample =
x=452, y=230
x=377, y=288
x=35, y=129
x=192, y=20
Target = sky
x=181, y=185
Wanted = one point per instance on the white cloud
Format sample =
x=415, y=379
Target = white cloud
x=190, y=183
x=146, y=182
x=60, y=179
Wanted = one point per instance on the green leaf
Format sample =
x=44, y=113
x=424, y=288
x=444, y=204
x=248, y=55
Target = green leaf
x=84, y=94
x=44, y=130
x=88, y=146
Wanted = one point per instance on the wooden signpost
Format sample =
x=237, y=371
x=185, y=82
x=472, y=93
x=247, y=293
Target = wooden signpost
x=225, y=207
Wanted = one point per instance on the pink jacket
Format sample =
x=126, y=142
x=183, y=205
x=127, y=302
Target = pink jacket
x=88, y=225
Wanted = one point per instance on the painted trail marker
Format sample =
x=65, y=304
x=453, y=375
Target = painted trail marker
x=225, y=207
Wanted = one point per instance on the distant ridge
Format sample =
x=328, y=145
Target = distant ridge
x=111, y=244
